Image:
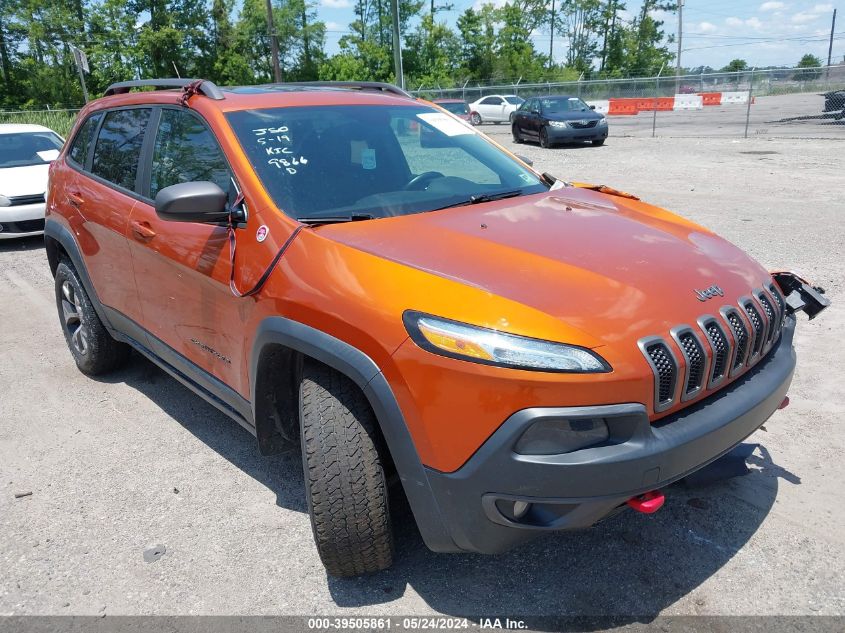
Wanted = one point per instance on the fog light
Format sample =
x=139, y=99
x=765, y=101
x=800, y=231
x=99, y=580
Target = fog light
x=554, y=436
x=520, y=509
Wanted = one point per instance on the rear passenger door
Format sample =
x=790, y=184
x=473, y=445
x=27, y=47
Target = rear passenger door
x=182, y=269
x=103, y=192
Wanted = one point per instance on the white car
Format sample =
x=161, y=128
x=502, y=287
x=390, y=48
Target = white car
x=26, y=152
x=494, y=108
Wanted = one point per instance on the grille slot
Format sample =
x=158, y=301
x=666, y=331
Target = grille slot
x=741, y=337
x=771, y=316
x=695, y=359
x=665, y=369
x=779, y=301
x=720, y=345
x=757, y=326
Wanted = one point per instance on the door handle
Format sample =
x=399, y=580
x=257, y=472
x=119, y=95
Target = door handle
x=143, y=230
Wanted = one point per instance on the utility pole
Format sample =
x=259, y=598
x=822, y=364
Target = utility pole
x=274, y=43
x=552, y=35
x=397, y=46
x=680, y=40
x=830, y=46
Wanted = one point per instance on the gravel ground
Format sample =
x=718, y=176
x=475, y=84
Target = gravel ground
x=118, y=465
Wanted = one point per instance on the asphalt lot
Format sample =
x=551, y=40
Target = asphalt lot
x=133, y=460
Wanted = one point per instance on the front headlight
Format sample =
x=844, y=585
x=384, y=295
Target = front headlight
x=489, y=347
x=5, y=202
x=603, y=121
x=558, y=123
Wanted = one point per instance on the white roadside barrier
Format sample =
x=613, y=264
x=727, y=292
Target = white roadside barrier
x=734, y=97
x=689, y=102
x=601, y=106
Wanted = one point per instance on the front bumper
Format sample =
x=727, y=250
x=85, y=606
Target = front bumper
x=559, y=134
x=21, y=220
x=575, y=490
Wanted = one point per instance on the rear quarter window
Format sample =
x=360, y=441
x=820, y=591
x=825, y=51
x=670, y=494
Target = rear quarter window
x=118, y=149
x=83, y=142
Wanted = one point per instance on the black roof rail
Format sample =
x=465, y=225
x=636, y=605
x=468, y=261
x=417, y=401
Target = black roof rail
x=206, y=87
x=372, y=86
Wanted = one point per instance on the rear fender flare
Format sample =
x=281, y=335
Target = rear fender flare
x=55, y=234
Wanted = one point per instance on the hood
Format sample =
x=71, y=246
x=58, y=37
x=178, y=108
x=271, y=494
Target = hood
x=614, y=268
x=23, y=181
x=580, y=115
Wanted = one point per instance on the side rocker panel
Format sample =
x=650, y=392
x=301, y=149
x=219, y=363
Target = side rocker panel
x=367, y=375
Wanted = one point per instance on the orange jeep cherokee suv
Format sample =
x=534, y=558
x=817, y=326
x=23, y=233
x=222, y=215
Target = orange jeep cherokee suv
x=349, y=268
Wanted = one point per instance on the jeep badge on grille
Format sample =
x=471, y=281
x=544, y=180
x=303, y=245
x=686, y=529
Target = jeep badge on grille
x=709, y=293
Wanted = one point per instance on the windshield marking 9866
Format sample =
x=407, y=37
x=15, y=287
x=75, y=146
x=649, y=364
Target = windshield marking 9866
x=336, y=163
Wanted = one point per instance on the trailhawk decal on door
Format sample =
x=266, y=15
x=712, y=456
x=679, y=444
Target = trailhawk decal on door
x=211, y=351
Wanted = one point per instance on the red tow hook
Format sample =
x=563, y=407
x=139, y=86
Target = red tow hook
x=648, y=502
x=785, y=403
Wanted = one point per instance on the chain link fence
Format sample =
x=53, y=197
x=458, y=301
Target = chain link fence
x=783, y=102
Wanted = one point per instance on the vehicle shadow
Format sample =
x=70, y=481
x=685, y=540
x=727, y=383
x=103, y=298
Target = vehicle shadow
x=280, y=473
x=630, y=567
x=22, y=244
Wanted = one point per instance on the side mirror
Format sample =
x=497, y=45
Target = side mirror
x=535, y=111
x=592, y=107
x=192, y=202
x=525, y=160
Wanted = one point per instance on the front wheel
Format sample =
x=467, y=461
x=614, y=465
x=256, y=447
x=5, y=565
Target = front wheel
x=598, y=143
x=544, y=138
x=475, y=118
x=92, y=347
x=517, y=137
x=345, y=481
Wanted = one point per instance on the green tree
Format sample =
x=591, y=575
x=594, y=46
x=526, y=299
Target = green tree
x=477, y=39
x=735, y=66
x=433, y=54
x=810, y=68
x=646, y=45
x=581, y=21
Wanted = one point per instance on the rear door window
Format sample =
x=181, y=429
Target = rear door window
x=84, y=140
x=118, y=149
x=186, y=151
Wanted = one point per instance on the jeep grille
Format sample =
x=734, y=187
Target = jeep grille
x=716, y=349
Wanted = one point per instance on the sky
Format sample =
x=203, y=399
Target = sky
x=762, y=32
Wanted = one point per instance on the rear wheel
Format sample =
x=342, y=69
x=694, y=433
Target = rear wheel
x=544, y=138
x=92, y=347
x=345, y=481
x=517, y=137
x=475, y=118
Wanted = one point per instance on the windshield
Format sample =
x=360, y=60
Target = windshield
x=28, y=148
x=455, y=107
x=563, y=104
x=515, y=100
x=373, y=161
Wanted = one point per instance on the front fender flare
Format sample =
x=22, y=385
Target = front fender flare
x=361, y=369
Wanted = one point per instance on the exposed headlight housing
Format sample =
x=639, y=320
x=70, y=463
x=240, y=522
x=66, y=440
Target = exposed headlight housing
x=5, y=202
x=558, y=123
x=489, y=347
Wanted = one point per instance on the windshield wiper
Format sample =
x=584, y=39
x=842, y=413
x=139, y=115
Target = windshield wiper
x=333, y=219
x=483, y=197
